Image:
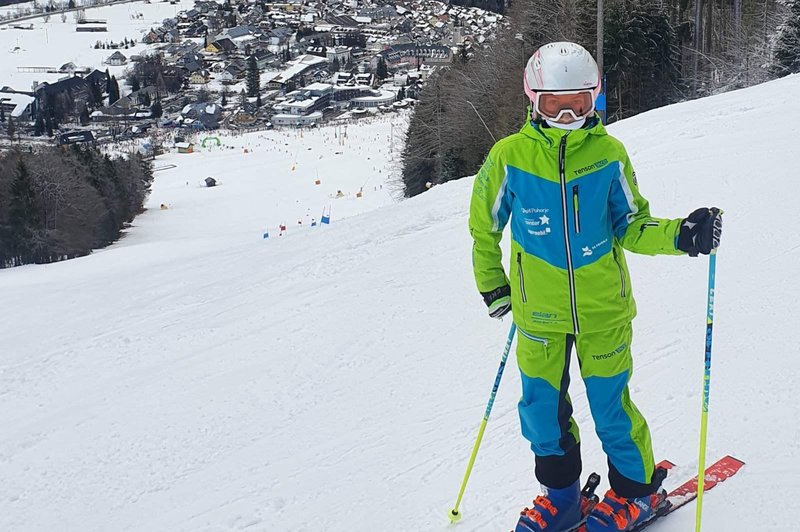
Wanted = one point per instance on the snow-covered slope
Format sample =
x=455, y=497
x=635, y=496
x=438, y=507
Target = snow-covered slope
x=335, y=379
x=52, y=42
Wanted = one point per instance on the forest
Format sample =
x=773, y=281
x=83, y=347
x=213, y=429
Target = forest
x=654, y=53
x=63, y=202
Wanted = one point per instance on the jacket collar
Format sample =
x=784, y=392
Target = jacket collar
x=551, y=136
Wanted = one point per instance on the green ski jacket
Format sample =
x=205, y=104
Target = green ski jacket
x=573, y=202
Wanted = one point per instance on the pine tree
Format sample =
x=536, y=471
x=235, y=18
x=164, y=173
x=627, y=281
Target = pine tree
x=382, y=71
x=2, y=114
x=334, y=65
x=203, y=95
x=135, y=84
x=787, y=43
x=97, y=94
x=155, y=109
x=253, y=80
x=641, y=60
x=38, y=126
x=224, y=101
x=113, y=94
x=258, y=100
x=84, y=117
x=23, y=218
x=11, y=128
x=451, y=167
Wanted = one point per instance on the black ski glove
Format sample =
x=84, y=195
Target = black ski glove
x=701, y=231
x=498, y=301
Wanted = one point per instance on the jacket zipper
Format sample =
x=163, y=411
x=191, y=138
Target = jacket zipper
x=543, y=341
x=562, y=150
x=646, y=225
x=621, y=273
x=575, y=209
x=521, y=277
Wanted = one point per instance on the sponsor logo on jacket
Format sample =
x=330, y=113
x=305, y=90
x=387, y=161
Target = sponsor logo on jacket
x=594, y=166
x=610, y=354
x=539, y=223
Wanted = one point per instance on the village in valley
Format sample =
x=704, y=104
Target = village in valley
x=104, y=73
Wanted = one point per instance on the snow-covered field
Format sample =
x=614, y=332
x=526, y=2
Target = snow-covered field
x=23, y=9
x=269, y=178
x=54, y=43
x=196, y=378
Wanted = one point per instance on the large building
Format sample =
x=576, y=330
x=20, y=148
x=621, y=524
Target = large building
x=417, y=54
x=303, y=107
x=298, y=72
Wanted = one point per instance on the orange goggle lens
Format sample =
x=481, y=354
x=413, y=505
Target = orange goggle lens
x=553, y=104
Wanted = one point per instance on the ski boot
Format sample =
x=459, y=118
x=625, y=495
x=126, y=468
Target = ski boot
x=559, y=510
x=620, y=514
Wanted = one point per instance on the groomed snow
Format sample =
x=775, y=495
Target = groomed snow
x=194, y=378
x=55, y=43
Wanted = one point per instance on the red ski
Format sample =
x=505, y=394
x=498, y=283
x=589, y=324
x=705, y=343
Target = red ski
x=719, y=471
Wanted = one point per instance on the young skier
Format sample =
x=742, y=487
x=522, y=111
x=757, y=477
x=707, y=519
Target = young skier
x=572, y=198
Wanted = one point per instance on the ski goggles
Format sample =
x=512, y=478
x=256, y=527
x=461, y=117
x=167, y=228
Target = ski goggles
x=555, y=105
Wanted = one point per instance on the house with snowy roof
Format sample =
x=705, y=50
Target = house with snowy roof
x=264, y=58
x=17, y=105
x=206, y=114
x=97, y=77
x=280, y=36
x=196, y=29
x=199, y=77
x=151, y=37
x=204, y=6
x=68, y=68
x=378, y=12
x=223, y=45
x=116, y=59
x=172, y=36
x=345, y=21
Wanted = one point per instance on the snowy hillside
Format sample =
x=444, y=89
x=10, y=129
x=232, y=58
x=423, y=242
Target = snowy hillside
x=271, y=178
x=52, y=42
x=203, y=380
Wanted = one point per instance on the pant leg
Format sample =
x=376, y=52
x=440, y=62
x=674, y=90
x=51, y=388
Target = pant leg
x=545, y=410
x=606, y=368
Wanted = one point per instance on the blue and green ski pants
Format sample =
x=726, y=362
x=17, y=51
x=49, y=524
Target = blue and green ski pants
x=545, y=408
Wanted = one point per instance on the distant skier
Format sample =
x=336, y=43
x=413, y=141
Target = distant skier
x=572, y=197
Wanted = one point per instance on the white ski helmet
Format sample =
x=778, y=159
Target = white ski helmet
x=561, y=67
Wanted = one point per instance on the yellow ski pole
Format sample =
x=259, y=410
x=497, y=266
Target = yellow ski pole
x=701, y=466
x=454, y=514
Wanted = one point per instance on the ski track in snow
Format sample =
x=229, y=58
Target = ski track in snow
x=196, y=378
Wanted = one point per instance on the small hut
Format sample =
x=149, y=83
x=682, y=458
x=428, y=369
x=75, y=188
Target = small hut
x=184, y=147
x=211, y=182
